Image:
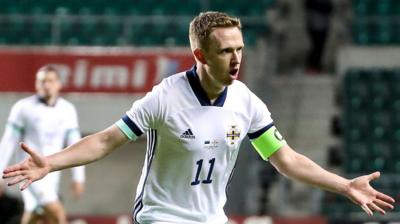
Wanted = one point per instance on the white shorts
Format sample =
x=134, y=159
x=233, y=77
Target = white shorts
x=41, y=192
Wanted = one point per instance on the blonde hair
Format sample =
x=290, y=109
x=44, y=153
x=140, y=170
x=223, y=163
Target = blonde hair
x=203, y=24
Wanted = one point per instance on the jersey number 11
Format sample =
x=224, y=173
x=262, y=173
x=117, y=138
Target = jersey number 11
x=199, y=165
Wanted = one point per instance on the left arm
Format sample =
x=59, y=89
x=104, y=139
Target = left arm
x=297, y=166
x=270, y=144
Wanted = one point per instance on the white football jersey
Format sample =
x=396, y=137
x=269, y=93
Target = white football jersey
x=47, y=129
x=192, y=147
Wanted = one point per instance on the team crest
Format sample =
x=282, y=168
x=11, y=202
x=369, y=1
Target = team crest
x=233, y=135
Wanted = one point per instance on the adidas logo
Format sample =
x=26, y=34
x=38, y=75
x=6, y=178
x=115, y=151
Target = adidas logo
x=188, y=134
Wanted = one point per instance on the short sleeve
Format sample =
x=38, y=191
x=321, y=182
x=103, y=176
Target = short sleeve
x=263, y=134
x=73, y=118
x=73, y=134
x=143, y=115
x=16, y=119
x=261, y=119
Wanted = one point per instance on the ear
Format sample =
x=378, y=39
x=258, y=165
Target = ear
x=199, y=54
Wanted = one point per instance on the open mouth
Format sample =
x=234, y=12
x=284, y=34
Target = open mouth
x=233, y=72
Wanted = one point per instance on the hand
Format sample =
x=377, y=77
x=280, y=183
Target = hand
x=32, y=169
x=77, y=189
x=361, y=193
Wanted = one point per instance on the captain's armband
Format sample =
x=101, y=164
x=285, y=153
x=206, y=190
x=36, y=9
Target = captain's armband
x=268, y=143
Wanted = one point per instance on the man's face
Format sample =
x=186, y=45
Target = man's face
x=224, y=54
x=47, y=84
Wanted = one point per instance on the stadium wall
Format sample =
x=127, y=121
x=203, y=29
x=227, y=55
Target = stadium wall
x=366, y=57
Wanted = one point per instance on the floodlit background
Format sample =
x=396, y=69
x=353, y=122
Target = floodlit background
x=328, y=71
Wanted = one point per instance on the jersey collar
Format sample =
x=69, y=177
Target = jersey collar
x=200, y=93
x=41, y=100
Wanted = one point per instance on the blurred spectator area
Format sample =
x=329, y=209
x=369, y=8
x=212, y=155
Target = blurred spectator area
x=124, y=22
x=369, y=120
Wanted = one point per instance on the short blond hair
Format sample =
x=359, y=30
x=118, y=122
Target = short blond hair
x=203, y=24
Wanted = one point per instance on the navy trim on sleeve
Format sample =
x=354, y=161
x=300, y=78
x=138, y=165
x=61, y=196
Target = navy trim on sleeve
x=259, y=132
x=132, y=125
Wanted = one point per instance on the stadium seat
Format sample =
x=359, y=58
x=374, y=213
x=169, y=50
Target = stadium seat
x=355, y=165
x=378, y=163
x=111, y=31
x=379, y=149
x=333, y=204
x=356, y=149
x=396, y=28
x=359, y=89
x=85, y=11
x=396, y=167
x=182, y=33
x=362, y=7
x=382, y=7
x=16, y=31
x=67, y=30
x=381, y=119
x=378, y=103
x=355, y=103
x=361, y=29
x=395, y=82
x=88, y=31
x=382, y=31
x=354, y=133
x=358, y=119
x=16, y=8
x=395, y=7
x=40, y=31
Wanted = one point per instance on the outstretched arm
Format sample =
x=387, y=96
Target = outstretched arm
x=296, y=166
x=87, y=150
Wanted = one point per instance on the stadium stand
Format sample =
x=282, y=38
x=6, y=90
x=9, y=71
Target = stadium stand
x=119, y=24
x=371, y=131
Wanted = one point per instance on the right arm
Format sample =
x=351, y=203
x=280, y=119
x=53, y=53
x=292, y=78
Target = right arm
x=87, y=150
x=143, y=115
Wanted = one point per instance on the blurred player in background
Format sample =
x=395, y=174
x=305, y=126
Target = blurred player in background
x=195, y=122
x=49, y=123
